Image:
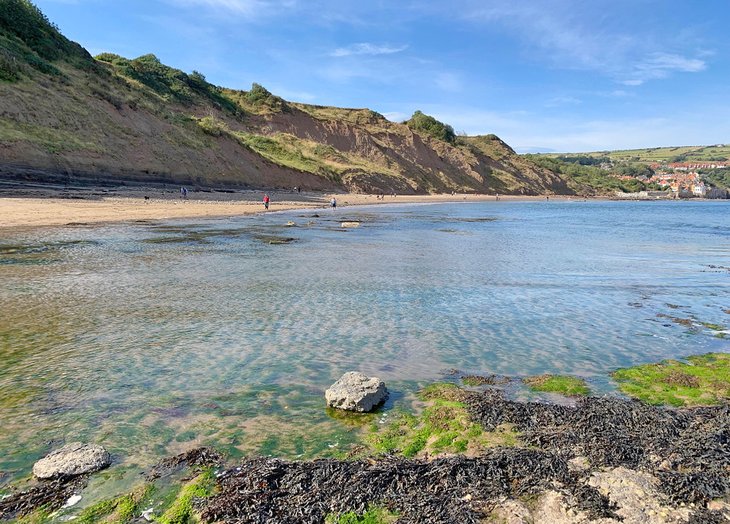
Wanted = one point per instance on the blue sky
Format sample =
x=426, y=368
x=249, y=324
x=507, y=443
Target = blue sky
x=552, y=75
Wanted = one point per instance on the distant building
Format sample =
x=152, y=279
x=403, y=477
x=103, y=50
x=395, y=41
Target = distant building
x=699, y=189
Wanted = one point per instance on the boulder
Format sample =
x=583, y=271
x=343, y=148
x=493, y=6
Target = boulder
x=71, y=460
x=356, y=392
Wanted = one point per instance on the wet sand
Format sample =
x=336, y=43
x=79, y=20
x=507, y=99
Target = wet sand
x=57, y=208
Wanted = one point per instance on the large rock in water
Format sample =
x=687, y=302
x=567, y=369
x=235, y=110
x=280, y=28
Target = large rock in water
x=71, y=460
x=356, y=392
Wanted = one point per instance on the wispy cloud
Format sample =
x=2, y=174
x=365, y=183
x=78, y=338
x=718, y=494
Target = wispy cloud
x=245, y=8
x=563, y=101
x=367, y=48
x=661, y=65
x=557, y=31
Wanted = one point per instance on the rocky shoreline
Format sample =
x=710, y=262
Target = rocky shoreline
x=603, y=460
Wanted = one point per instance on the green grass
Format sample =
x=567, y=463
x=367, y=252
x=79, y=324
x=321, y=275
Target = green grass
x=168, y=83
x=343, y=114
x=51, y=139
x=565, y=385
x=443, y=427
x=305, y=155
x=702, y=380
x=664, y=154
x=283, y=150
x=373, y=515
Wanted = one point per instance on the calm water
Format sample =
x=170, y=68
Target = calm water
x=152, y=338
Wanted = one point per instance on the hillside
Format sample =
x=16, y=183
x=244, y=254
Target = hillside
x=65, y=116
x=637, y=169
x=713, y=153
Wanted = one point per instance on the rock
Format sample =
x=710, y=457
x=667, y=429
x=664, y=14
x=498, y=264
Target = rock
x=72, y=501
x=356, y=392
x=510, y=512
x=637, y=497
x=71, y=460
x=578, y=464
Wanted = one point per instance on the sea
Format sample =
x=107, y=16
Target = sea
x=152, y=338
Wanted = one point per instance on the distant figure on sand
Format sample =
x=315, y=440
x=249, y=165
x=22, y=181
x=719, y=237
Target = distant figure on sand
x=266, y=201
x=183, y=192
x=333, y=202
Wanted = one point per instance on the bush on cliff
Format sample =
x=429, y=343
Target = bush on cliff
x=428, y=125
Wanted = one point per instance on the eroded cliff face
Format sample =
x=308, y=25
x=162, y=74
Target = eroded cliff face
x=399, y=159
x=66, y=114
x=66, y=128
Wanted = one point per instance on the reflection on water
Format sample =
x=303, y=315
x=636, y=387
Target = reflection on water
x=152, y=338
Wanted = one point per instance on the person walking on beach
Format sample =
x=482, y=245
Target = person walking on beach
x=266, y=201
x=333, y=202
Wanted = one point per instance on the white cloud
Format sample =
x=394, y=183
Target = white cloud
x=366, y=48
x=557, y=31
x=396, y=116
x=661, y=65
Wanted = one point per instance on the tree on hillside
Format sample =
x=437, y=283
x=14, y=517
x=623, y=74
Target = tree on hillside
x=428, y=125
x=259, y=96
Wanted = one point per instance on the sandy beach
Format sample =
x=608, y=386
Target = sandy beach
x=57, y=208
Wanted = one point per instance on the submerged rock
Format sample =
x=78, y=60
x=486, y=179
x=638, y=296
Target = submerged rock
x=72, y=460
x=356, y=392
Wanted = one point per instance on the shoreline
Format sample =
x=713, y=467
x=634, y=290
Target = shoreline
x=56, y=207
x=600, y=459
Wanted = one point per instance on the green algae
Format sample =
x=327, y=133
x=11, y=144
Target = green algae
x=181, y=510
x=373, y=515
x=118, y=510
x=442, y=427
x=39, y=516
x=703, y=380
x=562, y=384
x=713, y=327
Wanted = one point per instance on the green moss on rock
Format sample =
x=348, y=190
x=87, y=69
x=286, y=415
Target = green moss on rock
x=700, y=381
x=181, y=511
x=373, y=515
x=442, y=427
x=564, y=385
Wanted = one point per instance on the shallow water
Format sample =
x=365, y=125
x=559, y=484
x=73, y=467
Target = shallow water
x=151, y=338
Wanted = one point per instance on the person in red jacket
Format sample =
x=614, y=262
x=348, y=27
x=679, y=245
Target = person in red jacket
x=266, y=201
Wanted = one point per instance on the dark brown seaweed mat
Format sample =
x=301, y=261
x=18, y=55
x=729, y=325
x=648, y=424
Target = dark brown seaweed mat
x=51, y=494
x=688, y=450
x=266, y=490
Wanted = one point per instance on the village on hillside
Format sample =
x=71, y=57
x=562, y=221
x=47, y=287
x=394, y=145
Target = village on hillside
x=679, y=180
